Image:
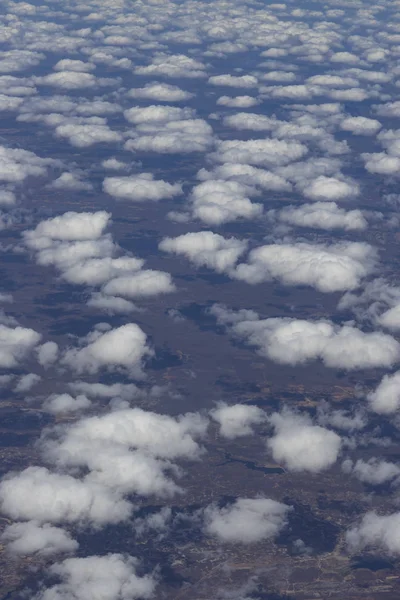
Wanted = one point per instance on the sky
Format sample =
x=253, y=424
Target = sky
x=196, y=198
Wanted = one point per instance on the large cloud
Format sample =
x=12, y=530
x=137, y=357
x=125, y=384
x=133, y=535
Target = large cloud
x=331, y=268
x=376, y=530
x=296, y=341
x=32, y=537
x=15, y=344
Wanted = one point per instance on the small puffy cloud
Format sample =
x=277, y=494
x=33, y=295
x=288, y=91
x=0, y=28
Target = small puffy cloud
x=390, y=109
x=337, y=267
x=173, y=65
x=16, y=164
x=32, y=537
x=251, y=121
x=263, y=152
x=381, y=163
x=373, y=471
x=161, y=92
x=140, y=284
x=7, y=198
x=237, y=420
x=85, y=134
x=241, y=81
x=123, y=347
x=390, y=318
x=300, y=445
x=70, y=226
x=238, y=101
x=111, y=577
x=26, y=383
x=157, y=114
x=47, y=354
x=171, y=137
x=247, y=520
x=361, y=125
x=68, y=64
x=69, y=80
x=15, y=344
x=216, y=201
x=330, y=188
x=376, y=530
x=37, y=494
x=140, y=188
x=321, y=215
x=206, y=248
x=344, y=57
x=297, y=341
x=385, y=399
x=65, y=403
x=70, y=181
x=251, y=177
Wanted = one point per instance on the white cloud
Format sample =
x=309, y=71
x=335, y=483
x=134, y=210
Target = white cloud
x=71, y=226
x=123, y=347
x=297, y=341
x=376, y=530
x=300, y=445
x=27, y=382
x=321, y=215
x=15, y=344
x=372, y=471
x=385, y=399
x=174, y=65
x=161, y=92
x=331, y=268
x=65, y=403
x=264, y=152
x=330, y=188
x=140, y=188
x=111, y=577
x=248, y=520
x=361, y=125
x=217, y=201
x=37, y=494
x=206, y=248
x=237, y=420
x=47, y=354
x=140, y=284
x=32, y=537
x=238, y=101
x=241, y=81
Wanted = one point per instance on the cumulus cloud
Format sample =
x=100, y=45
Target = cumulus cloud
x=330, y=188
x=129, y=450
x=300, y=445
x=297, y=341
x=361, y=125
x=112, y=576
x=32, y=537
x=321, y=215
x=16, y=343
x=47, y=354
x=206, y=248
x=331, y=268
x=237, y=420
x=238, y=101
x=385, y=399
x=263, y=152
x=174, y=65
x=376, y=530
x=64, y=403
x=39, y=495
x=123, y=347
x=140, y=188
x=372, y=471
x=238, y=81
x=161, y=92
x=216, y=201
x=247, y=520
